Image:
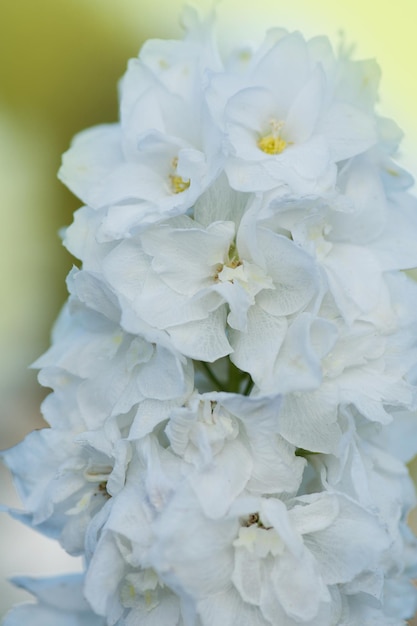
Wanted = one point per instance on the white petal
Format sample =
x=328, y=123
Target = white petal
x=216, y=487
x=309, y=419
x=347, y=130
x=93, y=154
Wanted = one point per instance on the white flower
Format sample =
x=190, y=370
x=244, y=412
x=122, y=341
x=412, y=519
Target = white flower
x=166, y=149
x=228, y=435
x=285, y=126
x=273, y=553
x=120, y=579
x=230, y=273
x=100, y=377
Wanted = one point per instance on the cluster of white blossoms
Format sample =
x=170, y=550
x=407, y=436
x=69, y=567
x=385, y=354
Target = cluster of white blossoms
x=234, y=374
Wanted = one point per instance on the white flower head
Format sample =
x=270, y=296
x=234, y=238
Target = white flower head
x=234, y=374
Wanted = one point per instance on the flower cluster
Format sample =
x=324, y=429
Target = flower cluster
x=234, y=373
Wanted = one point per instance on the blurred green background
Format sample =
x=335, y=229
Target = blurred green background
x=59, y=66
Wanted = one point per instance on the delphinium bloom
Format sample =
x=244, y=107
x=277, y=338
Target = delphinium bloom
x=234, y=374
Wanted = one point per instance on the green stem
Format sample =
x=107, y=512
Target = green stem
x=304, y=453
x=249, y=386
x=235, y=378
x=211, y=376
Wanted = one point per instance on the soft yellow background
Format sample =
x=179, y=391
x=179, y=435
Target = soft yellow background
x=59, y=64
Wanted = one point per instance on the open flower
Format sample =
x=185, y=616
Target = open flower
x=286, y=127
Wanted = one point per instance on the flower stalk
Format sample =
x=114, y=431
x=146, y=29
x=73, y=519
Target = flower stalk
x=233, y=376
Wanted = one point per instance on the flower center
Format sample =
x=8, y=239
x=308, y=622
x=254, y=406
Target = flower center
x=254, y=520
x=272, y=142
x=178, y=184
x=102, y=489
x=257, y=538
x=141, y=585
x=224, y=271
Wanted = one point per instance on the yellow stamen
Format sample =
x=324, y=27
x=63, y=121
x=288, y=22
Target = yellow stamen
x=271, y=144
x=232, y=262
x=149, y=599
x=178, y=184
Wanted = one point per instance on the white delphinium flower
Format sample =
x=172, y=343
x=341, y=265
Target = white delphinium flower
x=363, y=224
x=362, y=368
x=326, y=546
x=100, y=377
x=219, y=434
x=164, y=152
x=211, y=278
x=235, y=371
x=287, y=125
x=272, y=551
x=375, y=475
x=120, y=580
